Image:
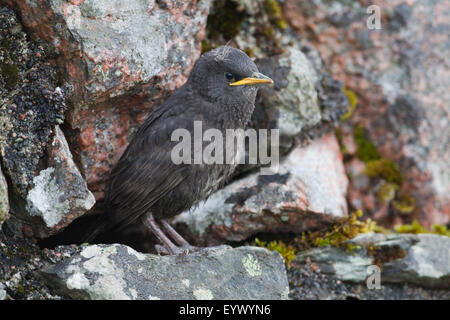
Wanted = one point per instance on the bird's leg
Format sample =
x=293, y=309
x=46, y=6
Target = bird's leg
x=176, y=236
x=186, y=246
x=168, y=246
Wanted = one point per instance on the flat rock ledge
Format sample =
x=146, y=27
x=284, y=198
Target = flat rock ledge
x=118, y=272
x=421, y=260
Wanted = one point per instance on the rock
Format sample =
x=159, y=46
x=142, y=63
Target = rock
x=400, y=77
x=19, y=260
x=2, y=292
x=31, y=103
x=293, y=97
x=118, y=272
x=60, y=194
x=43, y=177
x=4, y=202
x=307, y=192
x=122, y=58
x=305, y=101
x=309, y=281
x=420, y=260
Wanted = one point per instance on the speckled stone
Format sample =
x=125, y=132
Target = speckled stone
x=119, y=272
x=123, y=58
x=400, y=76
x=59, y=194
x=4, y=202
x=404, y=259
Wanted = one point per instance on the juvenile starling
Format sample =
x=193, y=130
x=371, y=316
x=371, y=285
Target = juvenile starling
x=146, y=185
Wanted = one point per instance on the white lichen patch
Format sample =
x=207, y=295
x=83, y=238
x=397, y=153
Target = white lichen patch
x=133, y=293
x=153, y=298
x=77, y=281
x=91, y=251
x=109, y=283
x=354, y=269
x=138, y=255
x=423, y=266
x=186, y=282
x=251, y=265
x=203, y=294
x=44, y=199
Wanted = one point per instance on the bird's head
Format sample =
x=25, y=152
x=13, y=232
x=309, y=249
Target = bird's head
x=227, y=75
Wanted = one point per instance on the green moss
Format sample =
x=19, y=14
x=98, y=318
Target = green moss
x=351, y=96
x=366, y=151
x=250, y=52
x=273, y=9
x=387, y=192
x=20, y=289
x=338, y=234
x=441, y=230
x=269, y=32
x=225, y=20
x=340, y=139
x=415, y=227
x=206, y=46
x=10, y=73
x=287, y=252
x=405, y=204
x=384, y=168
x=5, y=43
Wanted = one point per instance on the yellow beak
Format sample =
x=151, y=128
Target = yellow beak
x=256, y=78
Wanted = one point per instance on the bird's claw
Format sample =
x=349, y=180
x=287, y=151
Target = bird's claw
x=184, y=251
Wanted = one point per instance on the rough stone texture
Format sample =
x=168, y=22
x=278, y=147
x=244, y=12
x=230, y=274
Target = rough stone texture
x=36, y=158
x=4, y=202
x=401, y=79
x=307, y=281
x=122, y=58
x=31, y=103
x=305, y=101
x=2, y=292
x=60, y=193
x=118, y=272
x=293, y=97
x=305, y=98
x=19, y=260
x=413, y=259
x=307, y=192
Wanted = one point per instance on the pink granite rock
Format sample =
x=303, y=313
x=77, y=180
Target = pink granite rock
x=401, y=78
x=122, y=58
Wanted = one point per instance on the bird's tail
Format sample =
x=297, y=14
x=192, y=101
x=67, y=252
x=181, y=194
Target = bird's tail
x=84, y=229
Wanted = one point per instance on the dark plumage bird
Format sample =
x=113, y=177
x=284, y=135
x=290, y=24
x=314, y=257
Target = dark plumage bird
x=145, y=185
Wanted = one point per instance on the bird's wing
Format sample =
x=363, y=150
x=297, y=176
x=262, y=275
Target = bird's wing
x=145, y=172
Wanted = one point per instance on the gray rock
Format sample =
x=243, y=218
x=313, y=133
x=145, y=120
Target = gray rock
x=2, y=292
x=307, y=192
x=307, y=281
x=31, y=103
x=59, y=194
x=4, y=203
x=294, y=97
x=119, y=272
x=421, y=260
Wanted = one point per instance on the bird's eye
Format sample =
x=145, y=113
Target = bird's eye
x=229, y=76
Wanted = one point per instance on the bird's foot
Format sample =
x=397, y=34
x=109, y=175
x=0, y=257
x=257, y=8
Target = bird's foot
x=168, y=247
x=186, y=250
